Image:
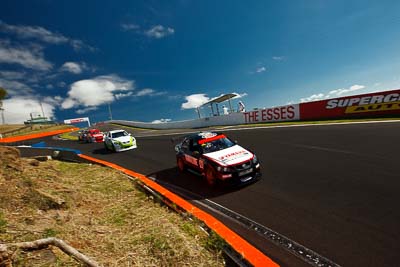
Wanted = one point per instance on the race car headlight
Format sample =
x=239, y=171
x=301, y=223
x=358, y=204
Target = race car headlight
x=115, y=142
x=223, y=169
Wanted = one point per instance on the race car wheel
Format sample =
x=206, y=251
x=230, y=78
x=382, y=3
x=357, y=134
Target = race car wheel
x=210, y=176
x=181, y=164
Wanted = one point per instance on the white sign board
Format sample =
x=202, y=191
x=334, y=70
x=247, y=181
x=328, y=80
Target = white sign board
x=77, y=120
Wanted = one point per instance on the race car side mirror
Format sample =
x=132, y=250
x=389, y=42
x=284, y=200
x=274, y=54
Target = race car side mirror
x=177, y=148
x=235, y=141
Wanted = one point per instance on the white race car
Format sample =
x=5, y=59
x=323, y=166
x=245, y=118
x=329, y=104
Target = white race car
x=119, y=140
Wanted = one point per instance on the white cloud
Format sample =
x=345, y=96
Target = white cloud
x=146, y=91
x=53, y=100
x=278, y=58
x=15, y=87
x=149, y=92
x=86, y=110
x=313, y=97
x=28, y=57
x=342, y=91
x=12, y=75
x=42, y=34
x=97, y=91
x=161, y=121
x=129, y=27
x=123, y=95
x=260, y=69
x=159, y=32
x=17, y=109
x=333, y=93
x=74, y=67
x=34, y=32
x=195, y=101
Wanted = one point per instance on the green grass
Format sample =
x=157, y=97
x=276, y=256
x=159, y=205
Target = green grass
x=49, y=232
x=36, y=129
x=70, y=136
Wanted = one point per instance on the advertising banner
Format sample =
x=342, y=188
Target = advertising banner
x=77, y=120
x=367, y=105
x=284, y=113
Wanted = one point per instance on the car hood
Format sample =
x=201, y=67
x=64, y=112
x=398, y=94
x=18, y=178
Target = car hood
x=123, y=139
x=230, y=156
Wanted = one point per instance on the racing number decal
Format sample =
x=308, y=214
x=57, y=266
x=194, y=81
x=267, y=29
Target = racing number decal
x=191, y=160
x=195, y=161
x=201, y=164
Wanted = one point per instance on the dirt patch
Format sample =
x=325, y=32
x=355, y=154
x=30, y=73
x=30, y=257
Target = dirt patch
x=98, y=211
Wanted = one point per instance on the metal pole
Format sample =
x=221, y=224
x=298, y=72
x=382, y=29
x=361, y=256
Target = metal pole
x=230, y=106
x=2, y=116
x=109, y=111
x=41, y=107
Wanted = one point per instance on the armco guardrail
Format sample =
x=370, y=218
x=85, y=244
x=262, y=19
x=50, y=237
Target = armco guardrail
x=381, y=104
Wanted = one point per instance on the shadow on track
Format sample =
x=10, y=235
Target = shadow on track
x=102, y=151
x=195, y=185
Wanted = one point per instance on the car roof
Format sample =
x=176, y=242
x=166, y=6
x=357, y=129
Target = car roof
x=202, y=135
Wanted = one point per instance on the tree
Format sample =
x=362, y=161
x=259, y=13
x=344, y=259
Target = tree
x=3, y=93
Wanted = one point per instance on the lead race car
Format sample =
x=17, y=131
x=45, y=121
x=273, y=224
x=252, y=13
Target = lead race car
x=216, y=157
x=119, y=140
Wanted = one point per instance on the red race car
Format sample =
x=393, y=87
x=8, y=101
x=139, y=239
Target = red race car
x=94, y=136
x=216, y=157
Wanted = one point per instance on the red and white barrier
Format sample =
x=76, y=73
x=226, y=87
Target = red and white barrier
x=366, y=105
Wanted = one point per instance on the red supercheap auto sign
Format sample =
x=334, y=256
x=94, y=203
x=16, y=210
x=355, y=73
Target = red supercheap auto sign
x=381, y=103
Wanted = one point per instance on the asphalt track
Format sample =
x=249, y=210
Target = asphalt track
x=334, y=189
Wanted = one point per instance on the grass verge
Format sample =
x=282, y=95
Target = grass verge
x=101, y=214
x=35, y=129
x=69, y=136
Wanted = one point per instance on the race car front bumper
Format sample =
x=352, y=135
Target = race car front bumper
x=239, y=175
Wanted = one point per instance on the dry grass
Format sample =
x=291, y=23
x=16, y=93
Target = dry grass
x=99, y=212
x=10, y=127
x=37, y=128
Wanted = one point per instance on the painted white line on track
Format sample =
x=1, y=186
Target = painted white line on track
x=273, y=127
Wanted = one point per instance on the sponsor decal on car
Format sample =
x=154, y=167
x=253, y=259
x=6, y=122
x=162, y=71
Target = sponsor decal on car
x=230, y=156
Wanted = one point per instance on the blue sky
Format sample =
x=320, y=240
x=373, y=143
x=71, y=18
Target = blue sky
x=153, y=60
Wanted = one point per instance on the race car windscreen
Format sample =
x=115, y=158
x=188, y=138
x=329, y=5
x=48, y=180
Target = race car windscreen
x=216, y=145
x=119, y=134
